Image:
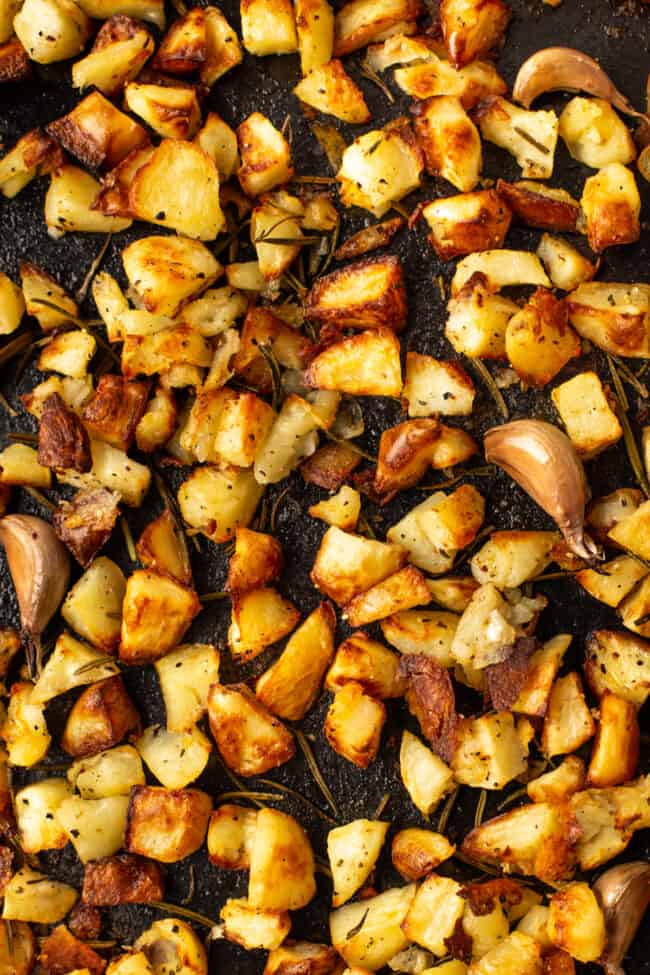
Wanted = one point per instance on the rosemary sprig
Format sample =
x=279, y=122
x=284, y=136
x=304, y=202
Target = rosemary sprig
x=275, y=509
x=628, y=434
x=290, y=241
x=517, y=794
x=322, y=866
x=446, y=810
x=383, y=802
x=23, y=436
x=93, y=664
x=263, y=237
x=276, y=375
x=316, y=180
x=480, y=808
x=298, y=795
x=348, y=443
x=353, y=932
x=253, y=794
x=369, y=72
x=306, y=749
x=237, y=782
x=15, y=347
x=476, y=864
x=186, y=912
x=213, y=597
x=492, y=387
x=92, y=270
x=472, y=472
x=334, y=239
x=292, y=281
x=128, y=539
x=530, y=139
x=630, y=378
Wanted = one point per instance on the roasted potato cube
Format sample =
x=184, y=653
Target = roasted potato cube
x=542, y=670
x=341, y=509
x=61, y=950
x=594, y=134
x=218, y=500
x=68, y=353
x=517, y=953
x=69, y=205
x=101, y=717
x=12, y=305
x=585, y=411
x=230, y=836
x=540, y=206
x=348, y=564
x=14, y=61
x=111, y=304
x=163, y=548
x=539, y=339
x=329, y=89
x=199, y=432
x=614, y=580
x=330, y=466
x=178, y=187
x=364, y=364
x=19, y=953
x=113, y=197
x=426, y=778
x=181, y=821
x=260, y=617
x=110, y=773
x=477, y=320
x=19, y=464
x=71, y=664
x=244, y=425
x=410, y=534
x=24, y=729
x=353, y=724
x=353, y=851
x=529, y=136
x=32, y=896
x=576, y=923
x=359, y=22
x=629, y=531
x=281, y=864
x=220, y=142
x=566, y=266
x=34, y=154
x=367, y=294
x=403, y=589
x=635, y=607
x=115, y=409
x=156, y=612
x=314, y=959
x=97, y=133
x=36, y=806
x=183, y=48
x=93, y=608
x=290, y=686
x=185, y=677
x=433, y=386
x=616, y=746
x=449, y=140
x=172, y=112
x=150, y=10
x=173, y=943
x=538, y=838
x=268, y=27
x=51, y=30
x=250, y=740
x=612, y=316
x=499, y=269
x=123, y=879
x=405, y=453
x=262, y=327
x=371, y=945
x=114, y=470
x=568, y=723
x=95, y=827
x=489, y=751
x=265, y=153
x=472, y=28
x=433, y=914
x=611, y=206
x=257, y=559
x=511, y=558
x=158, y=421
x=560, y=783
x=252, y=927
x=488, y=624
x=121, y=48
x=223, y=50
x=176, y=758
x=369, y=663
x=73, y=392
x=422, y=631
x=166, y=272
x=466, y=223
x=315, y=29
x=435, y=76
x=380, y=167
x=416, y=852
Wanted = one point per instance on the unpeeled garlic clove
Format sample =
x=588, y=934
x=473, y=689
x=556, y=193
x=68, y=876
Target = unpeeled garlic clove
x=624, y=895
x=40, y=570
x=566, y=69
x=541, y=459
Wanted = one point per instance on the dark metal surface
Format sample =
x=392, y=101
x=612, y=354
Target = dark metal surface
x=618, y=34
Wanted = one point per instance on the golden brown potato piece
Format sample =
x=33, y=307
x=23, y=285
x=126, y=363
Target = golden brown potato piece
x=251, y=741
x=539, y=339
x=166, y=825
x=162, y=547
x=183, y=48
x=260, y=617
x=380, y=168
x=268, y=27
x=230, y=836
x=97, y=133
x=353, y=724
x=576, y=922
x=121, y=48
x=62, y=439
x=363, y=364
x=265, y=156
x=248, y=926
x=416, y=852
x=330, y=90
x=401, y=591
x=616, y=747
x=540, y=206
x=436, y=76
x=472, y=28
x=256, y=561
x=330, y=466
x=450, y=141
x=611, y=206
x=14, y=61
x=115, y=409
x=157, y=611
x=86, y=522
x=282, y=863
x=19, y=953
x=33, y=155
x=368, y=663
x=301, y=958
x=568, y=723
x=173, y=111
x=367, y=294
x=587, y=414
x=262, y=327
x=61, y=952
x=223, y=50
x=359, y=22
x=101, y=717
x=467, y=223
x=113, y=197
x=122, y=879
x=348, y=564
x=166, y=272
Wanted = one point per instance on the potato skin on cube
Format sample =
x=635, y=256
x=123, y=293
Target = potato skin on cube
x=181, y=822
x=122, y=879
x=250, y=739
x=157, y=611
x=101, y=717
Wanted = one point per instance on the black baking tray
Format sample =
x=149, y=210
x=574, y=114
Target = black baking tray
x=618, y=35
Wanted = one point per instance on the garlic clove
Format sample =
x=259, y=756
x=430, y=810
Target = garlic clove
x=40, y=570
x=566, y=69
x=624, y=895
x=542, y=460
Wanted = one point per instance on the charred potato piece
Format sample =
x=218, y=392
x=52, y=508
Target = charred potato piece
x=62, y=952
x=14, y=61
x=467, y=223
x=256, y=561
x=611, y=206
x=183, y=48
x=122, y=879
x=450, y=141
x=540, y=206
x=156, y=612
x=114, y=410
x=101, y=717
x=97, y=133
x=472, y=29
x=251, y=741
x=367, y=294
x=121, y=48
x=417, y=852
x=86, y=522
x=62, y=438
x=181, y=817
x=434, y=76
x=433, y=914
